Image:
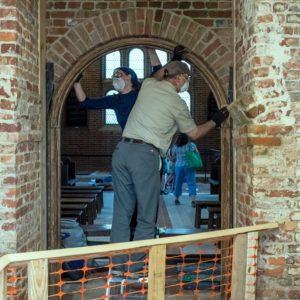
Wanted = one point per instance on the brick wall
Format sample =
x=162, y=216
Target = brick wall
x=19, y=127
x=266, y=138
x=76, y=27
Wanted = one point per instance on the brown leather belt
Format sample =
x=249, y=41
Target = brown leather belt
x=136, y=141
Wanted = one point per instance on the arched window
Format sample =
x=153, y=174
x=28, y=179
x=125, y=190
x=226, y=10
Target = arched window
x=136, y=62
x=112, y=61
x=110, y=116
x=162, y=56
x=187, y=98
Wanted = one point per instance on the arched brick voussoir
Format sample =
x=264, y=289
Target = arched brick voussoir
x=139, y=22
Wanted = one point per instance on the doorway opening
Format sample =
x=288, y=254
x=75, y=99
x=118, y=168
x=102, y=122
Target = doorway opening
x=91, y=145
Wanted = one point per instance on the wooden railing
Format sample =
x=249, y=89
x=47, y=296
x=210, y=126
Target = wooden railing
x=243, y=275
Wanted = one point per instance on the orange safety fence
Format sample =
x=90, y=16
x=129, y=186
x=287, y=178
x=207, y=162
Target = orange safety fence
x=186, y=274
x=199, y=270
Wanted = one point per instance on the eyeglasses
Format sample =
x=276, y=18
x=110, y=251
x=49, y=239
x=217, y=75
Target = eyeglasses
x=117, y=75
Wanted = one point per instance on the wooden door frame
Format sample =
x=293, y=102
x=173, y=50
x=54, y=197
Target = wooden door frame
x=54, y=128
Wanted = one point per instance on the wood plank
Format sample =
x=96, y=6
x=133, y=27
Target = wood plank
x=78, y=200
x=38, y=279
x=84, y=187
x=94, y=251
x=157, y=275
x=43, y=122
x=226, y=172
x=244, y=266
x=74, y=206
x=54, y=189
x=78, y=195
x=3, y=284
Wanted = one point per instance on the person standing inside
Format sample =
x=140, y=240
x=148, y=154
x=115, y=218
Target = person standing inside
x=157, y=115
x=181, y=146
x=126, y=83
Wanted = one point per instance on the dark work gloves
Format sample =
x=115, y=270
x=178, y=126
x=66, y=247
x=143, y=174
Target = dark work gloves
x=220, y=116
x=179, y=52
x=78, y=78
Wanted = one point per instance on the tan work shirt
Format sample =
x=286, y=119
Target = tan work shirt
x=157, y=114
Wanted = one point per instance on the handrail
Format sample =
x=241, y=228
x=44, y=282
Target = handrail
x=119, y=247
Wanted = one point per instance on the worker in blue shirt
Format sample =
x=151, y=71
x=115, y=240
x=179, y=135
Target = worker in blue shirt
x=125, y=81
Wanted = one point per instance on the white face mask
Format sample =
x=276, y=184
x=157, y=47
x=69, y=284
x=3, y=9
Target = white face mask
x=184, y=87
x=118, y=84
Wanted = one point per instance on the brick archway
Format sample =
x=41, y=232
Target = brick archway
x=86, y=42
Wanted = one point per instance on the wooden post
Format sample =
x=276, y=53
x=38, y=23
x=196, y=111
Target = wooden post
x=244, y=266
x=3, y=284
x=157, y=272
x=38, y=279
x=43, y=128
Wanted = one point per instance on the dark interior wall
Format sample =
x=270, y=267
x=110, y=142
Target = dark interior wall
x=91, y=146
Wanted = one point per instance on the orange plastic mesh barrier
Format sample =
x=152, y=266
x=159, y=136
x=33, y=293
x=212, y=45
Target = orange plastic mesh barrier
x=192, y=272
x=17, y=283
x=206, y=272
x=101, y=278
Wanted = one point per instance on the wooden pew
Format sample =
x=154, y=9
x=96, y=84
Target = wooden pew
x=204, y=201
x=91, y=206
x=86, y=190
x=72, y=206
x=77, y=214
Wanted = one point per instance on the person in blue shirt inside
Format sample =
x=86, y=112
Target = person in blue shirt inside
x=126, y=82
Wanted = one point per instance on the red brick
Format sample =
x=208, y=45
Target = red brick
x=267, y=83
x=256, y=129
x=211, y=48
x=198, y=4
x=10, y=127
x=279, y=130
x=277, y=261
x=256, y=60
x=8, y=36
x=9, y=3
x=10, y=180
x=261, y=72
x=265, y=19
x=255, y=111
x=9, y=24
x=290, y=42
x=282, y=193
x=265, y=141
x=8, y=226
x=196, y=14
x=89, y=27
x=88, y=5
x=8, y=12
x=62, y=15
x=74, y=5
x=295, y=294
x=276, y=272
x=170, y=5
x=220, y=14
x=60, y=5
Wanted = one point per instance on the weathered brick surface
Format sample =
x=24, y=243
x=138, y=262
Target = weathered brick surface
x=19, y=127
x=266, y=132
x=267, y=141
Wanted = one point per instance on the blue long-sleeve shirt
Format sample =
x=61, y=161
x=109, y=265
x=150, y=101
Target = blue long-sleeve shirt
x=120, y=103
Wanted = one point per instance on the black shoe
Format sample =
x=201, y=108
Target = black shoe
x=177, y=202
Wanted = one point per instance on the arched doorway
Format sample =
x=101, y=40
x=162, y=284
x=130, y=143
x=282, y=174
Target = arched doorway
x=54, y=128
